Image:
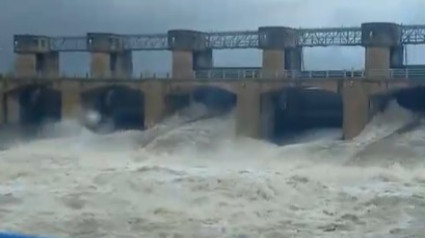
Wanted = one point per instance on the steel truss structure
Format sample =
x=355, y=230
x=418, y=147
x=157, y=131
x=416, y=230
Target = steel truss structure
x=146, y=42
x=413, y=34
x=233, y=40
x=314, y=37
x=348, y=36
x=64, y=43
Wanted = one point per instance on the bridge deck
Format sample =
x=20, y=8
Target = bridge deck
x=334, y=36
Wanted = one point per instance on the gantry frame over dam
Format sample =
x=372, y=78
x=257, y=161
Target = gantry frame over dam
x=37, y=66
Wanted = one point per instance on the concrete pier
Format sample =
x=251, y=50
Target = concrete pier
x=254, y=112
x=189, y=52
x=156, y=105
x=248, y=110
x=382, y=42
x=356, y=115
x=383, y=52
x=109, y=58
x=267, y=116
x=71, y=104
x=34, y=57
x=182, y=67
x=273, y=62
x=280, y=51
x=25, y=65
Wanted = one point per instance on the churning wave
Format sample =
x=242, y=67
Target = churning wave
x=192, y=177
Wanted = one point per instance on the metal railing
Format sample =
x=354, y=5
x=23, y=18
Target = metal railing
x=285, y=74
x=312, y=74
x=235, y=74
x=407, y=73
x=68, y=43
x=333, y=36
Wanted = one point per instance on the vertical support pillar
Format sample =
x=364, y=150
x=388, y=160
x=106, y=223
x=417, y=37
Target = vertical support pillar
x=355, y=108
x=156, y=105
x=35, y=57
x=190, y=53
x=182, y=67
x=70, y=100
x=267, y=116
x=25, y=65
x=248, y=110
x=109, y=58
x=383, y=48
x=280, y=50
x=273, y=63
x=100, y=65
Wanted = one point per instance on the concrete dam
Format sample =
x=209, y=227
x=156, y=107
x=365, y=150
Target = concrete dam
x=294, y=109
x=269, y=102
x=290, y=111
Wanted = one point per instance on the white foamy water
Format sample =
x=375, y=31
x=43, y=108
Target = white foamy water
x=199, y=180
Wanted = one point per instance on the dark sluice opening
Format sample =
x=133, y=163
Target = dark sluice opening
x=298, y=110
x=177, y=102
x=412, y=99
x=216, y=100
x=38, y=105
x=119, y=108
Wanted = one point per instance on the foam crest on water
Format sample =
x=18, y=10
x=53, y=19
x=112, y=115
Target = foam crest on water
x=385, y=123
x=197, y=179
x=392, y=137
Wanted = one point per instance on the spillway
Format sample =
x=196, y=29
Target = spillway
x=299, y=110
x=199, y=180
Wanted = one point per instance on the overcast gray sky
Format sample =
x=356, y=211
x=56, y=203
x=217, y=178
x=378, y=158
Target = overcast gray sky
x=76, y=17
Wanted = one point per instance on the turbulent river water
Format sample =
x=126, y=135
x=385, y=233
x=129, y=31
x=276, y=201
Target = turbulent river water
x=200, y=180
